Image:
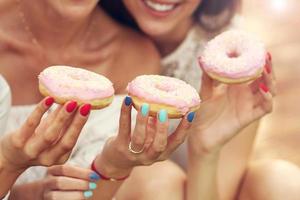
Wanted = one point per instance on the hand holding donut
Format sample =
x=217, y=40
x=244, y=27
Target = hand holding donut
x=226, y=109
x=44, y=142
x=148, y=143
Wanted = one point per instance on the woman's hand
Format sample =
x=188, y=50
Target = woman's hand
x=226, y=109
x=148, y=143
x=44, y=142
x=68, y=183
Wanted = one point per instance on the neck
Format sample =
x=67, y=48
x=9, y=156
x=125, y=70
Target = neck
x=168, y=42
x=48, y=28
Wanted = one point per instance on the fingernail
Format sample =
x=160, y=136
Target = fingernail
x=94, y=176
x=191, y=116
x=128, y=101
x=268, y=68
x=162, y=116
x=269, y=56
x=92, y=186
x=49, y=101
x=85, y=110
x=88, y=194
x=71, y=106
x=145, y=109
x=264, y=87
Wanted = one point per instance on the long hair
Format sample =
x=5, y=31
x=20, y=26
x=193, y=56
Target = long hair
x=212, y=15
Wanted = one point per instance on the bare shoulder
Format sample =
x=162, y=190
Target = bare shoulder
x=139, y=52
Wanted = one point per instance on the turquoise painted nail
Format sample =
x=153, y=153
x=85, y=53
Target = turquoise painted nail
x=163, y=116
x=145, y=109
x=88, y=194
x=92, y=186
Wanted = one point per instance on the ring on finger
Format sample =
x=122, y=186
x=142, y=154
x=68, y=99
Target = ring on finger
x=133, y=151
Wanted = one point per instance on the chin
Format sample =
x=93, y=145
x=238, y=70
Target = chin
x=155, y=29
x=74, y=9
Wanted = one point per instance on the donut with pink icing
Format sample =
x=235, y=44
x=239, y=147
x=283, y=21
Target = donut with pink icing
x=234, y=57
x=66, y=83
x=162, y=92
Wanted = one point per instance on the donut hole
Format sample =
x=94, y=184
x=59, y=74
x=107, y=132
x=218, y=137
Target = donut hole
x=233, y=54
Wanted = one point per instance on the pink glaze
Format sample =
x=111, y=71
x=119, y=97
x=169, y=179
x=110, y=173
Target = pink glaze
x=249, y=55
x=164, y=90
x=66, y=82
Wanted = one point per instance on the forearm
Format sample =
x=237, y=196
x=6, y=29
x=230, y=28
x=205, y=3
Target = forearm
x=7, y=178
x=202, y=177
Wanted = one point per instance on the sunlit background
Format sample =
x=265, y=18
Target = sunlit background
x=277, y=22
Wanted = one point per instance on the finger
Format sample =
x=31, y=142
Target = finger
x=206, y=87
x=269, y=78
x=219, y=89
x=269, y=59
x=49, y=119
x=32, y=122
x=266, y=105
x=72, y=172
x=70, y=137
x=139, y=134
x=161, y=137
x=67, y=195
x=151, y=130
x=69, y=184
x=125, y=120
x=42, y=141
x=180, y=134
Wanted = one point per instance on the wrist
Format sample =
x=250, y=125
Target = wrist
x=197, y=152
x=108, y=170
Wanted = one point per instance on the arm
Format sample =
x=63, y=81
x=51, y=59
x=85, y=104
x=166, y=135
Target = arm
x=116, y=161
x=225, y=111
x=150, y=135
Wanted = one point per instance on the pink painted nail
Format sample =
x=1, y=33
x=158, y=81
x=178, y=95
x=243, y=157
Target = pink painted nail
x=49, y=101
x=269, y=56
x=264, y=87
x=71, y=106
x=85, y=110
x=268, y=68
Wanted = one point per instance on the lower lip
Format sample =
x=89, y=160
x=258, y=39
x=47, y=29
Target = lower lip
x=157, y=13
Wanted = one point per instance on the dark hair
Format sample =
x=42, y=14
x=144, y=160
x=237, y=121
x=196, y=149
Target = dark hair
x=212, y=15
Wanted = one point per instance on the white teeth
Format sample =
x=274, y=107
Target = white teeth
x=159, y=7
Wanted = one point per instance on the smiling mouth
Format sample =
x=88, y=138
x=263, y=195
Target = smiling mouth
x=160, y=7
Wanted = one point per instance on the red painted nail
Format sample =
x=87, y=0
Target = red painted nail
x=49, y=101
x=85, y=110
x=269, y=56
x=71, y=106
x=268, y=68
x=264, y=87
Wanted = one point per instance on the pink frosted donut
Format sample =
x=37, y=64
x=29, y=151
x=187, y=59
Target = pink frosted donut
x=233, y=57
x=66, y=83
x=162, y=92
